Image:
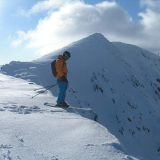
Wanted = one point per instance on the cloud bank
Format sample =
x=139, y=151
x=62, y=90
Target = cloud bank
x=71, y=20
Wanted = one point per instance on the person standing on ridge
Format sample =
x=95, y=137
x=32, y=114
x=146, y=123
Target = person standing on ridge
x=61, y=68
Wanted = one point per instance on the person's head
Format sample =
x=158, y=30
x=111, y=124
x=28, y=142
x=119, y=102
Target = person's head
x=66, y=55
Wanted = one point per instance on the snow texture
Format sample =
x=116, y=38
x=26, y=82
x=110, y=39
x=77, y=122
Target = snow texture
x=30, y=130
x=120, y=82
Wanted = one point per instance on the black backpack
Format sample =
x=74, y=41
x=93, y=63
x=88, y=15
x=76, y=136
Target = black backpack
x=53, y=68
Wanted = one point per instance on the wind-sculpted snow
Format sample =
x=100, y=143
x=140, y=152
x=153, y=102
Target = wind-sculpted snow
x=29, y=130
x=121, y=82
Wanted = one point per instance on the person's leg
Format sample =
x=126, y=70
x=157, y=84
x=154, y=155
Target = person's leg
x=62, y=91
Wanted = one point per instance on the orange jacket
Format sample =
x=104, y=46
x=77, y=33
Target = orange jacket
x=61, y=67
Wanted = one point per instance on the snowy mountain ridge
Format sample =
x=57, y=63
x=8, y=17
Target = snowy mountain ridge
x=121, y=82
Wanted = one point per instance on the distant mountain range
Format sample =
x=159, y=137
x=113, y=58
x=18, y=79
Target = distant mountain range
x=120, y=82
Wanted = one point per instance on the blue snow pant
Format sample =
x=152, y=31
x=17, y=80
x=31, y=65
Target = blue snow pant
x=62, y=91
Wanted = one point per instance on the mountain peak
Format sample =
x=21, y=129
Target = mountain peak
x=96, y=35
x=96, y=40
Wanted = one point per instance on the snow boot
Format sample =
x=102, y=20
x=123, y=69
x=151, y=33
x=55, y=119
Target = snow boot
x=64, y=104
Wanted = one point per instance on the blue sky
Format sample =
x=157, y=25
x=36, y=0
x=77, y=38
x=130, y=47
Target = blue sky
x=32, y=28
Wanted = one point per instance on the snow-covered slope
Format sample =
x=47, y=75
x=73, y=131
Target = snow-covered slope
x=31, y=131
x=121, y=82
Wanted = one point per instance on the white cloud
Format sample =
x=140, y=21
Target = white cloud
x=42, y=6
x=75, y=20
x=19, y=39
x=154, y=4
x=151, y=22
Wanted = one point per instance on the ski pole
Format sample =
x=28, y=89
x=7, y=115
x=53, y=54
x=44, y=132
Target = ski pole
x=43, y=91
x=47, y=89
x=44, y=87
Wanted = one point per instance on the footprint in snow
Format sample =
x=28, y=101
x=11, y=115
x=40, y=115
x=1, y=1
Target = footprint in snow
x=21, y=109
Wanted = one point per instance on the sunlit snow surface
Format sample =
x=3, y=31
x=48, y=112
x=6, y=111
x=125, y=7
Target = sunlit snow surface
x=31, y=131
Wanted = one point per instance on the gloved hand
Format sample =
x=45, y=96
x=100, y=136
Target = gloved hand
x=64, y=79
